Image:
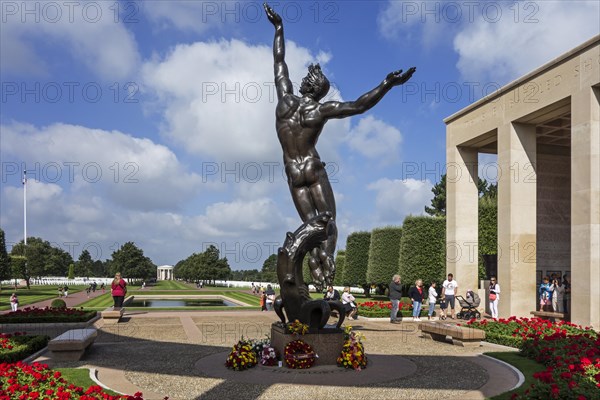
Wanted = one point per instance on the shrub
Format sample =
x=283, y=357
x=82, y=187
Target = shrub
x=58, y=303
x=423, y=250
x=384, y=254
x=488, y=231
x=18, y=347
x=357, y=258
x=340, y=262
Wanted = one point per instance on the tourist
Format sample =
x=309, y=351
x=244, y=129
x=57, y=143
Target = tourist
x=349, y=303
x=395, y=295
x=270, y=298
x=332, y=294
x=432, y=294
x=88, y=290
x=60, y=291
x=14, y=302
x=263, y=301
x=545, y=292
x=558, y=295
x=66, y=291
x=494, y=297
x=449, y=290
x=103, y=288
x=417, y=294
x=118, y=290
x=567, y=295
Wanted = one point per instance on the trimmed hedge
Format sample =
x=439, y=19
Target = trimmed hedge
x=384, y=254
x=58, y=303
x=423, y=250
x=47, y=316
x=340, y=262
x=24, y=347
x=488, y=231
x=357, y=258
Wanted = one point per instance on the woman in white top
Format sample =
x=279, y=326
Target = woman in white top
x=349, y=305
x=432, y=294
x=494, y=297
x=558, y=296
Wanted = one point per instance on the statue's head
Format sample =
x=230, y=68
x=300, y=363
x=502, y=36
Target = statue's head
x=315, y=84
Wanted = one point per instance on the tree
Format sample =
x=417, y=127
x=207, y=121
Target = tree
x=19, y=268
x=206, y=266
x=84, y=265
x=5, y=272
x=130, y=261
x=269, y=269
x=438, y=202
x=42, y=258
x=71, y=271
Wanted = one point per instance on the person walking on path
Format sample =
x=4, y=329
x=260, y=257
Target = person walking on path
x=432, y=294
x=14, y=302
x=449, y=290
x=118, y=289
x=494, y=297
x=395, y=296
x=417, y=294
x=66, y=291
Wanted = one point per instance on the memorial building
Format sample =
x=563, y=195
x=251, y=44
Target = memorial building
x=545, y=130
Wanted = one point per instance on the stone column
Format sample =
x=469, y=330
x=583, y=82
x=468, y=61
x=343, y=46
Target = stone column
x=462, y=216
x=517, y=219
x=585, y=207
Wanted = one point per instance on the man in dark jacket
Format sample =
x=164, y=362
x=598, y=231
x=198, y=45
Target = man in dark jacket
x=395, y=296
x=332, y=294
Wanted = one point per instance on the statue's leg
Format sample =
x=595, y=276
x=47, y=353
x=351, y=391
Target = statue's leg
x=315, y=314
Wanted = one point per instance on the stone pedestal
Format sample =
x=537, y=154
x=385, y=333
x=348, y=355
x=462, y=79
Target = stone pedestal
x=327, y=343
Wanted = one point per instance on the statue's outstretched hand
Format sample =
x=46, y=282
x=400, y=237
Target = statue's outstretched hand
x=272, y=15
x=398, y=78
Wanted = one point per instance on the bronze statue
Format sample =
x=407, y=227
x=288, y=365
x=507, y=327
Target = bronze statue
x=299, y=122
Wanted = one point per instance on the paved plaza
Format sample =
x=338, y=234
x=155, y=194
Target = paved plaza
x=182, y=355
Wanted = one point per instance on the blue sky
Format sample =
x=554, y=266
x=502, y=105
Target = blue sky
x=153, y=121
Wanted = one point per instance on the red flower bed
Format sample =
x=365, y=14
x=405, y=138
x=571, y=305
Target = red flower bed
x=383, y=305
x=36, y=381
x=47, y=314
x=571, y=354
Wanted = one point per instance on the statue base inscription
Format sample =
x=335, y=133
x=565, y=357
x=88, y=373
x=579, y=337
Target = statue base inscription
x=327, y=343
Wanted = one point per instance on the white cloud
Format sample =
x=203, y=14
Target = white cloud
x=375, y=139
x=395, y=199
x=219, y=97
x=517, y=44
x=133, y=173
x=93, y=34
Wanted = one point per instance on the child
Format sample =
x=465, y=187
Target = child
x=263, y=301
x=443, y=307
x=432, y=299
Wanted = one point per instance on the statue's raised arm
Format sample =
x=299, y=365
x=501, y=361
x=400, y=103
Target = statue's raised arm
x=282, y=79
x=335, y=109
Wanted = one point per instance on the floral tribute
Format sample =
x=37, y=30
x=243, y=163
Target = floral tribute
x=571, y=354
x=353, y=351
x=268, y=357
x=258, y=345
x=297, y=328
x=299, y=355
x=37, y=381
x=241, y=357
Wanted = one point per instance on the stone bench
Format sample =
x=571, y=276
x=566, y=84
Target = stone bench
x=112, y=316
x=461, y=336
x=548, y=315
x=71, y=345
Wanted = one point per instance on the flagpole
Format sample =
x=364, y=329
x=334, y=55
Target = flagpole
x=25, y=207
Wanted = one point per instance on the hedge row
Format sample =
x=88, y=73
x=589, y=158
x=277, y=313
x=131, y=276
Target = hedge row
x=340, y=262
x=357, y=258
x=423, y=250
x=384, y=254
x=25, y=346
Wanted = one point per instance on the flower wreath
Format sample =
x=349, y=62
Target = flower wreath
x=241, y=356
x=299, y=355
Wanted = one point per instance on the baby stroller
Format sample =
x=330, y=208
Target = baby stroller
x=469, y=306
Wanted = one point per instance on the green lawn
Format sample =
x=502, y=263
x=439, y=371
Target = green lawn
x=171, y=285
x=80, y=377
x=525, y=365
x=32, y=295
